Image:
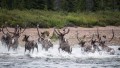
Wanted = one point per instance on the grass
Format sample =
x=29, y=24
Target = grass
x=60, y=19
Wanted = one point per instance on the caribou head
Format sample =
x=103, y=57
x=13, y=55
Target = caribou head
x=25, y=39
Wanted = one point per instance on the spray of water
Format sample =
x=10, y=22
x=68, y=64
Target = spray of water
x=54, y=53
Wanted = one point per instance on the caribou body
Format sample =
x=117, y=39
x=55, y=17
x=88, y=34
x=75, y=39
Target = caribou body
x=14, y=42
x=6, y=38
x=10, y=39
x=29, y=45
x=64, y=45
x=102, y=42
x=84, y=47
x=44, y=40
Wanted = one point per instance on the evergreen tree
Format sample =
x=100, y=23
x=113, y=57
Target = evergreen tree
x=65, y=5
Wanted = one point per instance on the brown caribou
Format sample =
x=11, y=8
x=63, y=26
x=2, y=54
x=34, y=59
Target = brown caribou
x=82, y=43
x=6, y=38
x=94, y=44
x=15, y=36
x=102, y=42
x=44, y=40
x=29, y=45
x=64, y=45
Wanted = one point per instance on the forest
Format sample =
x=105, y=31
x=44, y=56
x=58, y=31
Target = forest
x=60, y=13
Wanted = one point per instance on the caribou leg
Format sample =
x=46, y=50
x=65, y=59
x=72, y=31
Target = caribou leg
x=29, y=50
x=59, y=49
x=36, y=47
x=9, y=47
x=25, y=50
x=32, y=49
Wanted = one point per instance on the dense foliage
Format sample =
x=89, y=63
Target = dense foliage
x=50, y=13
x=63, y=5
x=59, y=19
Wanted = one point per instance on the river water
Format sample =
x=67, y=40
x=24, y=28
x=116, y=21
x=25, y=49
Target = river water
x=54, y=59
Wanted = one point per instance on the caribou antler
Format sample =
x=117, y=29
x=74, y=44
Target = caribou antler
x=23, y=30
x=9, y=31
x=77, y=36
x=98, y=35
x=112, y=36
x=80, y=39
x=66, y=32
x=7, y=28
x=2, y=30
x=38, y=30
x=99, y=38
x=57, y=31
x=16, y=28
x=92, y=37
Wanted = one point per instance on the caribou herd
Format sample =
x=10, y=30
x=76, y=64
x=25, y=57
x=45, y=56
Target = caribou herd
x=97, y=42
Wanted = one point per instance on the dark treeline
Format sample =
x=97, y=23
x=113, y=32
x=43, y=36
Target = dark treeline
x=62, y=5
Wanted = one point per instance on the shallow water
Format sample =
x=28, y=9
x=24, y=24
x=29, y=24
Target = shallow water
x=54, y=59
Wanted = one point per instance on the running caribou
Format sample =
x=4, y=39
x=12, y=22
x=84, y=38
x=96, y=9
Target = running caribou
x=12, y=40
x=64, y=45
x=82, y=43
x=6, y=38
x=102, y=42
x=29, y=44
x=44, y=40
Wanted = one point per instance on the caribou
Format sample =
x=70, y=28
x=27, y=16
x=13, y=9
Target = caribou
x=64, y=45
x=29, y=45
x=13, y=41
x=94, y=44
x=6, y=38
x=82, y=43
x=102, y=42
x=44, y=40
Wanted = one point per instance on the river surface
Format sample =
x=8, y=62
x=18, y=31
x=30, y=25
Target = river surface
x=54, y=59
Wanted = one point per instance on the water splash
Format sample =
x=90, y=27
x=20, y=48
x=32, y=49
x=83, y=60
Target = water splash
x=54, y=53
